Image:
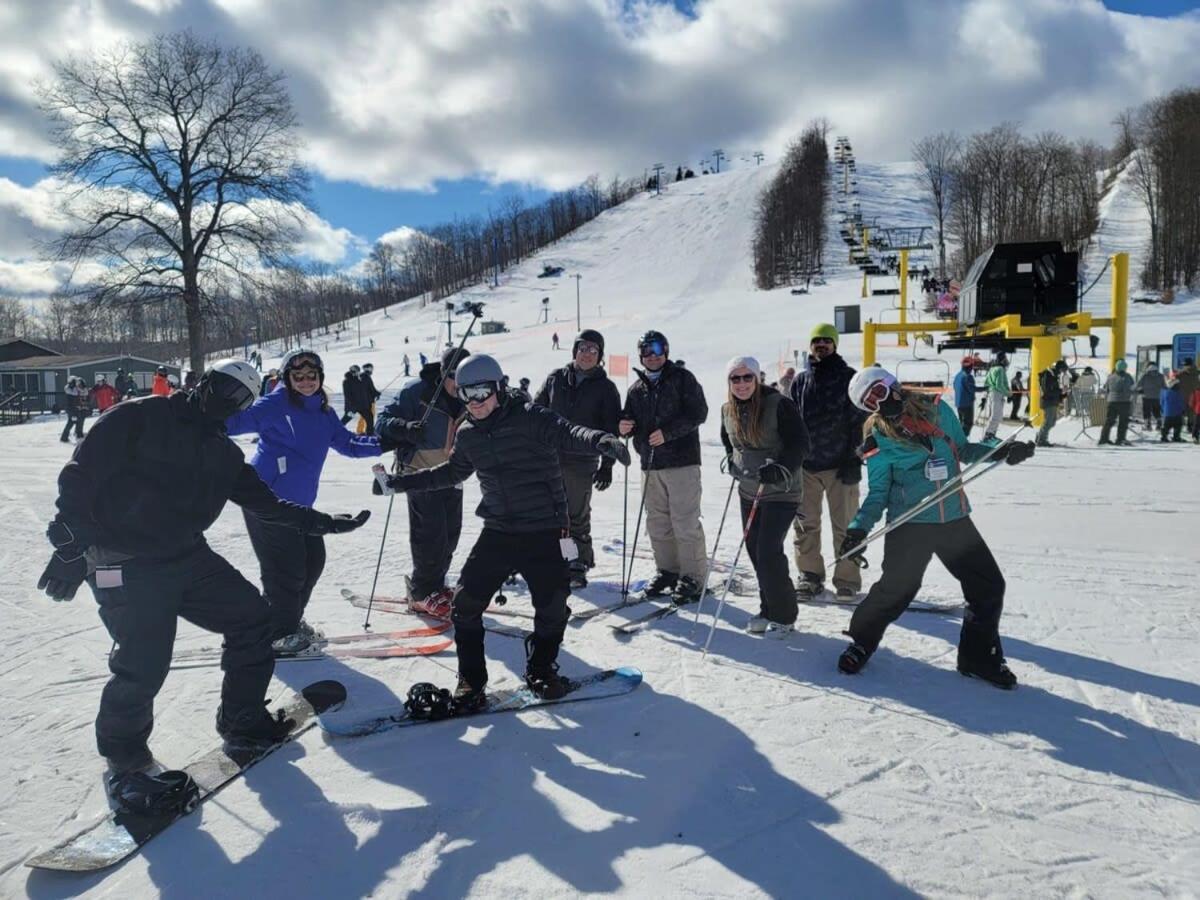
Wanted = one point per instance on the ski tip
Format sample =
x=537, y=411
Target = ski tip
x=325, y=696
x=630, y=674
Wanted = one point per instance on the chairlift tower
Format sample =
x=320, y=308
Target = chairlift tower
x=658, y=170
x=719, y=155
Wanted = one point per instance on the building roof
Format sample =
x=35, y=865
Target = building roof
x=69, y=362
x=13, y=339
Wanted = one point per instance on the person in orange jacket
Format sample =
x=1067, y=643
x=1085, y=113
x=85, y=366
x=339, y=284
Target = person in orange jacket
x=104, y=395
x=160, y=387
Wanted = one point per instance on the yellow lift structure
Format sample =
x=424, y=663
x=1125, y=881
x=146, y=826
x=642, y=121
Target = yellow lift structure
x=1045, y=341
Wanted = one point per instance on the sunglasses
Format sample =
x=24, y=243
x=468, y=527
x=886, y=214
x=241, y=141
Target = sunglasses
x=587, y=348
x=476, y=393
x=301, y=377
x=876, y=394
x=828, y=341
x=743, y=379
x=654, y=348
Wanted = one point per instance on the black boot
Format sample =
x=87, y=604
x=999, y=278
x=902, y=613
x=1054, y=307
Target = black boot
x=251, y=728
x=541, y=668
x=982, y=656
x=663, y=584
x=578, y=577
x=853, y=658
x=688, y=590
x=469, y=697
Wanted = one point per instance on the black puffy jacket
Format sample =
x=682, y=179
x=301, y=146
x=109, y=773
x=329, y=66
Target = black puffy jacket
x=834, y=423
x=153, y=474
x=675, y=403
x=514, y=451
x=582, y=398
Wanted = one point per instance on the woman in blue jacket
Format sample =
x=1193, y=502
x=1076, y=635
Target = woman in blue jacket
x=296, y=428
x=913, y=445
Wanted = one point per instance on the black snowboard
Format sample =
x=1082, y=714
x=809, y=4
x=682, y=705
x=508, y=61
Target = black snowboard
x=119, y=835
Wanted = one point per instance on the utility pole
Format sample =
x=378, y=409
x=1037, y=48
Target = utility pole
x=658, y=170
x=578, y=319
x=449, y=323
x=719, y=155
x=758, y=157
x=358, y=313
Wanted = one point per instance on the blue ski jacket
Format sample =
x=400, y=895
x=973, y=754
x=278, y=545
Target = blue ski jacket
x=293, y=441
x=899, y=473
x=1172, y=402
x=964, y=390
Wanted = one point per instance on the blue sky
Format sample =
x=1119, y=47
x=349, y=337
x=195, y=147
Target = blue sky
x=450, y=106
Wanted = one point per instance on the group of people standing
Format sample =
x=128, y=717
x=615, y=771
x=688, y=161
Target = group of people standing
x=359, y=395
x=134, y=528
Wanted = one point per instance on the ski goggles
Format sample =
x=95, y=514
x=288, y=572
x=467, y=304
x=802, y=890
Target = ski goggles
x=876, y=394
x=587, y=347
x=305, y=360
x=299, y=376
x=476, y=393
x=654, y=348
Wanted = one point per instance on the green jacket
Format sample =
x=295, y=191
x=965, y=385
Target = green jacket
x=896, y=479
x=997, y=380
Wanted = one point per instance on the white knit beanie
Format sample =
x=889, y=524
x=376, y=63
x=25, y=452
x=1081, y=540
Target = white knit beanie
x=743, y=362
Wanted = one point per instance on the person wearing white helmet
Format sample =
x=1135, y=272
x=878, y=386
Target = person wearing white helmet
x=133, y=505
x=913, y=445
x=513, y=447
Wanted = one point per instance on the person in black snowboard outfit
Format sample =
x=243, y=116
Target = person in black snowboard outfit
x=133, y=505
x=583, y=394
x=513, y=447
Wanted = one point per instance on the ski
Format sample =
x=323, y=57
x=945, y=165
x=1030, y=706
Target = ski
x=399, y=605
x=955, y=609
x=635, y=625
x=352, y=651
x=337, y=640
x=118, y=835
x=610, y=683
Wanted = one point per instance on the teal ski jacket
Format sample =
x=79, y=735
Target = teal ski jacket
x=899, y=473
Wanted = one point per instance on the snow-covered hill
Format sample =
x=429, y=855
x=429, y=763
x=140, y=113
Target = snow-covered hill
x=762, y=772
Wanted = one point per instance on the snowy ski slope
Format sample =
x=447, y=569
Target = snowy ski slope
x=762, y=772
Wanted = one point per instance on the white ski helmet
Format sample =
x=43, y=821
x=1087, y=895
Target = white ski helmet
x=864, y=380
x=229, y=386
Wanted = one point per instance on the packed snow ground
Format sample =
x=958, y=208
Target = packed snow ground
x=762, y=772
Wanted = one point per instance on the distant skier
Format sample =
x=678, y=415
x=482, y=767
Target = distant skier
x=76, y=406
x=1150, y=385
x=964, y=394
x=407, y=365
x=513, y=448
x=296, y=430
x=1171, y=402
x=997, y=394
x=351, y=389
x=583, y=394
x=1118, y=390
x=1051, y=396
x=421, y=421
x=133, y=505
x=368, y=394
x=554, y=341
x=160, y=386
x=913, y=445
x=104, y=395
x=663, y=411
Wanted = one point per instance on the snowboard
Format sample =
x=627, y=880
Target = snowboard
x=825, y=598
x=118, y=835
x=610, y=683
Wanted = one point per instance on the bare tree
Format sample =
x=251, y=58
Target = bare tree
x=13, y=318
x=937, y=155
x=180, y=160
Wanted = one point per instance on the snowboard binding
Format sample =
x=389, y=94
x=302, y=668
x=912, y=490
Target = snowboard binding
x=429, y=702
x=169, y=793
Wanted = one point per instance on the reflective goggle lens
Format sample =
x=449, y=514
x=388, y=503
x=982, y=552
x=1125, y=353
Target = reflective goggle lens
x=654, y=348
x=476, y=393
x=876, y=394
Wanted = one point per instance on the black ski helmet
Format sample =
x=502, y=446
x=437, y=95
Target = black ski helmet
x=452, y=358
x=590, y=335
x=651, y=337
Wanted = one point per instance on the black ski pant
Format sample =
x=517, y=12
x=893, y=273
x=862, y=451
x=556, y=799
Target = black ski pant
x=764, y=545
x=537, y=557
x=75, y=419
x=966, y=417
x=141, y=617
x=906, y=553
x=1151, y=410
x=434, y=526
x=290, y=564
x=1172, y=423
x=577, y=475
x=348, y=415
x=1118, y=414
x=1016, y=405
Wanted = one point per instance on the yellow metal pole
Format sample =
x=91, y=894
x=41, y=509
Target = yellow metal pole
x=903, y=340
x=864, y=289
x=1120, y=306
x=869, y=344
x=1043, y=353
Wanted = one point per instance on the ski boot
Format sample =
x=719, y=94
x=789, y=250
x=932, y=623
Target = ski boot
x=688, y=590
x=437, y=604
x=468, y=698
x=314, y=635
x=758, y=625
x=778, y=631
x=992, y=668
x=251, y=729
x=294, y=644
x=541, y=670
x=578, y=578
x=808, y=587
x=662, y=585
x=846, y=595
x=853, y=658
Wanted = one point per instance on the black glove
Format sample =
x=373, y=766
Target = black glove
x=414, y=431
x=339, y=524
x=387, y=443
x=396, y=484
x=772, y=473
x=603, y=477
x=1016, y=452
x=67, y=567
x=983, y=403
x=854, y=537
x=850, y=472
x=611, y=446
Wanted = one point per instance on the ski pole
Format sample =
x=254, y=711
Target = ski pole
x=476, y=313
x=382, y=543
x=713, y=556
x=732, y=567
x=636, y=530
x=980, y=467
x=625, y=524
